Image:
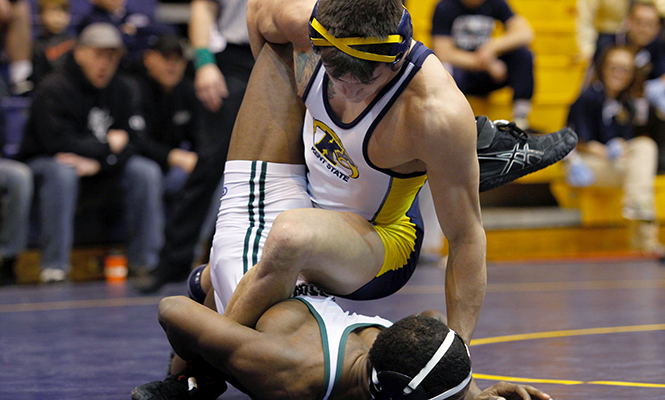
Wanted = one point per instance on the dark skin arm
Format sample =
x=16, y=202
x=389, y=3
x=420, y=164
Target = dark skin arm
x=283, y=353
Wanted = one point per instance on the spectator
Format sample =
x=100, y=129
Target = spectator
x=16, y=31
x=137, y=28
x=598, y=21
x=54, y=39
x=15, y=198
x=480, y=62
x=223, y=62
x=79, y=135
x=171, y=110
x=609, y=153
x=641, y=35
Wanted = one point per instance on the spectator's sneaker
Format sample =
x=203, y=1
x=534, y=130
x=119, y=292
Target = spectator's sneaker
x=505, y=152
x=52, y=275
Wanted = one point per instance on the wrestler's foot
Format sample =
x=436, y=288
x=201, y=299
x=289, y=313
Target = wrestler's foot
x=184, y=385
x=505, y=152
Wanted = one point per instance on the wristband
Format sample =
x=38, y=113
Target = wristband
x=202, y=57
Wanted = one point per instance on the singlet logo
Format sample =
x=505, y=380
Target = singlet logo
x=330, y=151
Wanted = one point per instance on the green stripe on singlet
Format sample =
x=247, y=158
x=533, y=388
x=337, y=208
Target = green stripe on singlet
x=324, y=341
x=342, y=348
x=262, y=213
x=250, y=213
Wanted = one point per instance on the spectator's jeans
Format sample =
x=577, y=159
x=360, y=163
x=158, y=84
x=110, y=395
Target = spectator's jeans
x=15, y=199
x=520, y=77
x=174, y=179
x=58, y=187
x=634, y=172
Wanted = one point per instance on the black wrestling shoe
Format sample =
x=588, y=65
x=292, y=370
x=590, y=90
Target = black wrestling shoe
x=505, y=152
x=185, y=385
x=174, y=387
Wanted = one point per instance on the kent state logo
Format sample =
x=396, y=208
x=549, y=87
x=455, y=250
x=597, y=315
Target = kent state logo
x=330, y=151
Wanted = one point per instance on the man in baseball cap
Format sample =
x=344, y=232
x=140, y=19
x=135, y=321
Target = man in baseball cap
x=98, y=52
x=78, y=143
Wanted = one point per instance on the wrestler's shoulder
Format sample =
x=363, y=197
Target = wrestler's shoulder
x=432, y=100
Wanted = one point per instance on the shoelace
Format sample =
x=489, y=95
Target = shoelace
x=511, y=128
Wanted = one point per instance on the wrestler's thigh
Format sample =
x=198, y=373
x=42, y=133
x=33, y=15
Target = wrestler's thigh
x=342, y=251
x=270, y=120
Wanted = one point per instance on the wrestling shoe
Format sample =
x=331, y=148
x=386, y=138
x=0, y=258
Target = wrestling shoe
x=174, y=387
x=505, y=152
x=185, y=385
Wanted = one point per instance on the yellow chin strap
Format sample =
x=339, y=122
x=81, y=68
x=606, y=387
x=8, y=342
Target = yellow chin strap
x=343, y=44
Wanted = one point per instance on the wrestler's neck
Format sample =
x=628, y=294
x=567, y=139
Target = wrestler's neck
x=354, y=384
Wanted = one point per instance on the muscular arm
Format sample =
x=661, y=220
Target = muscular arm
x=448, y=148
x=449, y=152
x=280, y=356
x=195, y=331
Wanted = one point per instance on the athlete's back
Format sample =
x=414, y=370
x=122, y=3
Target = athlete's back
x=289, y=360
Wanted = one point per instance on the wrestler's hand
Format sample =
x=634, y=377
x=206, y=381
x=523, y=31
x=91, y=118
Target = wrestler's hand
x=210, y=87
x=512, y=391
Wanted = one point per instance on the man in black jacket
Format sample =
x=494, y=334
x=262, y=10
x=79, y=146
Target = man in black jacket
x=167, y=101
x=79, y=136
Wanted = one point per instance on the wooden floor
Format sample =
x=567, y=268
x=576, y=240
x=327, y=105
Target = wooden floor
x=578, y=330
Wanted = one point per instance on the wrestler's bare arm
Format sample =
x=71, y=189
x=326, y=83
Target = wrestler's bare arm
x=446, y=134
x=279, y=22
x=196, y=331
x=282, y=355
